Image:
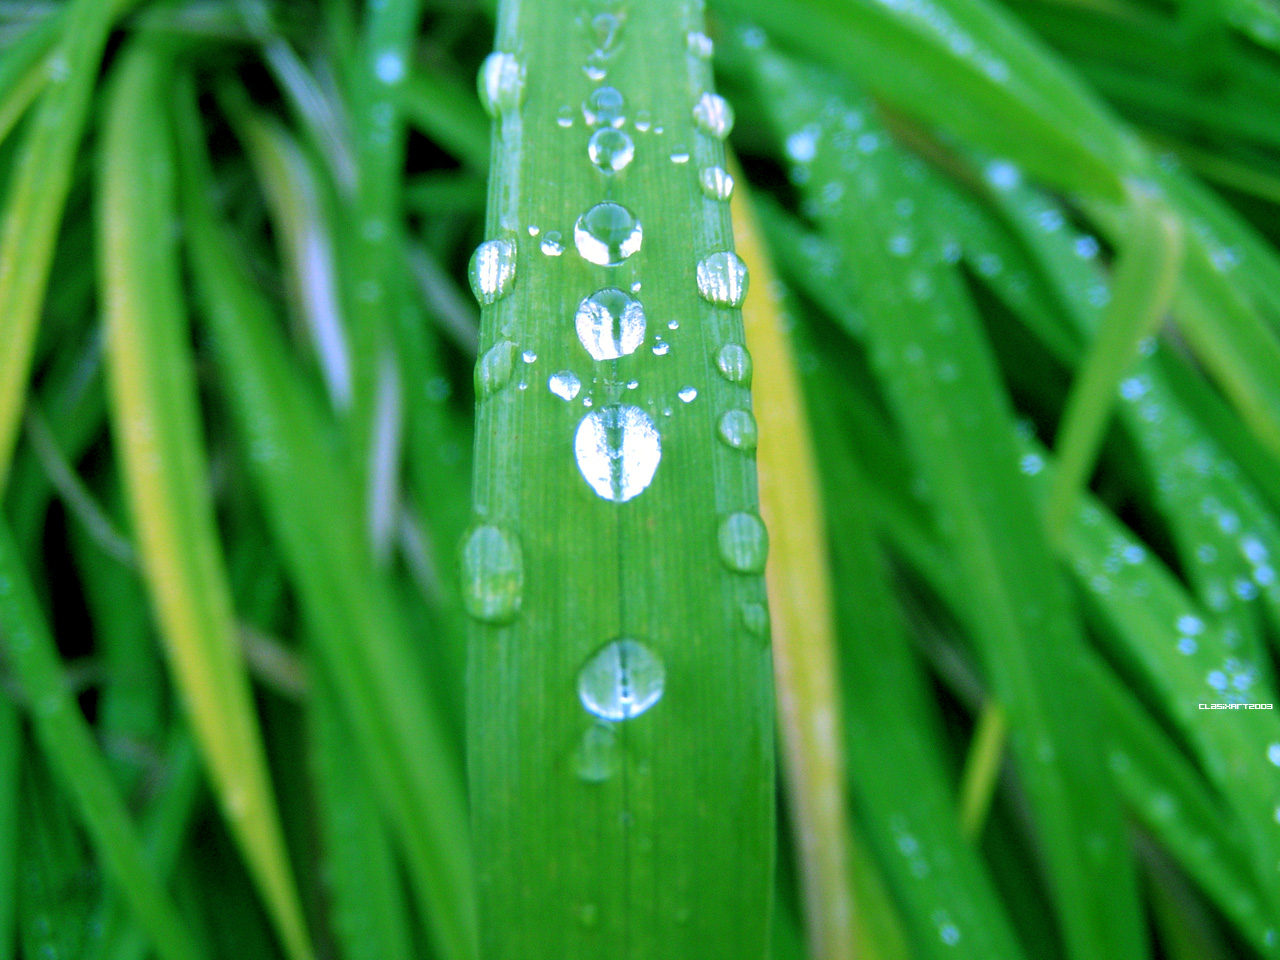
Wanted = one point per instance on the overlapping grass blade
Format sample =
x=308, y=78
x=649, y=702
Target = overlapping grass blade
x=955, y=416
x=69, y=746
x=620, y=695
x=307, y=485
x=155, y=417
x=10, y=765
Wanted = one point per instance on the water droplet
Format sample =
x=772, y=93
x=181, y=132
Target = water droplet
x=756, y=618
x=564, y=117
x=605, y=27
x=643, y=121
x=716, y=183
x=529, y=356
x=621, y=681
x=596, y=758
x=680, y=154
x=501, y=83
x=1003, y=175
x=734, y=363
x=564, y=384
x=492, y=574
x=713, y=115
x=492, y=270
x=688, y=394
x=722, y=279
x=607, y=234
x=611, y=150
x=618, y=449
x=604, y=106
x=594, y=71
x=389, y=67
x=610, y=324
x=552, y=245
x=700, y=45
x=588, y=914
x=494, y=368
x=1086, y=247
x=744, y=544
x=1031, y=464
x=738, y=429
x=1273, y=753
x=1187, y=646
x=661, y=348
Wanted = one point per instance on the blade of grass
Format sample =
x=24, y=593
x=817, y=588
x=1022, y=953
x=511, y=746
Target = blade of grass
x=306, y=487
x=669, y=808
x=37, y=194
x=156, y=419
x=68, y=743
x=10, y=767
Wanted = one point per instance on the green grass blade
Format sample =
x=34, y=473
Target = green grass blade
x=155, y=416
x=10, y=765
x=307, y=487
x=37, y=193
x=941, y=381
x=68, y=744
x=669, y=811
x=447, y=112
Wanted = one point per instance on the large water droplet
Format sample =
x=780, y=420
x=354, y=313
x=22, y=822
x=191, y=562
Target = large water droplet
x=501, y=83
x=618, y=449
x=492, y=270
x=607, y=234
x=564, y=384
x=610, y=150
x=621, y=681
x=492, y=574
x=716, y=183
x=744, y=544
x=493, y=370
x=722, y=279
x=738, y=429
x=606, y=107
x=734, y=363
x=596, y=758
x=610, y=324
x=713, y=115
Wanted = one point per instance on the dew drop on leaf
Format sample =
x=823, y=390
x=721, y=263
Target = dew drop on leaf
x=494, y=367
x=713, y=115
x=492, y=574
x=738, y=429
x=716, y=183
x=492, y=270
x=607, y=234
x=734, y=363
x=610, y=324
x=743, y=543
x=564, y=384
x=722, y=279
x=501, y=83
x=621, y=681
x=610, y=150
x=596, y=758
x=604, y=107
x=618, y=449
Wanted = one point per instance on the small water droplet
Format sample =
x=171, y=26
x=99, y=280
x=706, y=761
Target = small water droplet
x=738, y=429
x=688, y=394
x=722, y=279
x=618, y=450
x=389, y=67
x=552, y=245
x=596, y=758
x=494, y=368
x=661, y=348
x=643, y=121
x=744, y=544
x=713, y=115
x=492, y=270
x=1003, y=175
x=529, y=356
x=621, y=681
x=564, y=384
x=501, y=83
x=756, y=619
x=492, y=574
x=734, y=363
x=680, y=154
x=607, y=234
x=610, y=150
x=1273, y=753
x=700, y=45
x=1031, y=464
x=605, y=106
x=606, y=27
x=610, y=324
x=564, y=117
x=716, y=183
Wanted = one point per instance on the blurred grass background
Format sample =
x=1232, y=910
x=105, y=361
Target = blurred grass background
x=1012, y=322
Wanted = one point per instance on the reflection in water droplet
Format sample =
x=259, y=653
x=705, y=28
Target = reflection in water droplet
x=734, y=363
x=610, y=150
x=529, y=356
x=493, y=370
x=688, y=394
x=492, y=270
x=564, y=117
x=621, y=681
x=501, y=83
x=744, y=544
x=700, y=45
x=596, y=758
x=604, y=106
x=607, y=234
x=610, y=324
x=722, y=279
x=643, y=121
x=492, y=574
x=552, y=245
x=716, y=183
x=738, y=429
x=618, y=449
x=661, y=348
x=713, y=115
x=680, y=154
x=564, y=384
